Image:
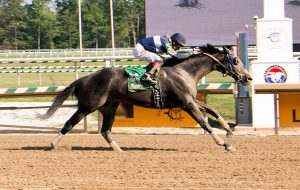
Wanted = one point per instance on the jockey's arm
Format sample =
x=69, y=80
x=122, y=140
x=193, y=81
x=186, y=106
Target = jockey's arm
x=180, y=54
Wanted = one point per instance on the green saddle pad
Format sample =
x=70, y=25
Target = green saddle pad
x=134, y=79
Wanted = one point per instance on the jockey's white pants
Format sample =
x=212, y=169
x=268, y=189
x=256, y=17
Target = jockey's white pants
x=140, y=53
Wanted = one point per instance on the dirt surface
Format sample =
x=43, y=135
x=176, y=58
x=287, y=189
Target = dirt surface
x=149, y=162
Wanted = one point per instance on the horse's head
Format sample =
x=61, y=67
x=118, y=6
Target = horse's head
x=232, y=65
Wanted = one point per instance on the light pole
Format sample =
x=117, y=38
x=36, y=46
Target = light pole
x=112, y=28
x=15, y=26
x=16, y=36
x=80, y=30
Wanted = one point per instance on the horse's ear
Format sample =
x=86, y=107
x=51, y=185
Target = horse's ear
x=225, y=49
x=233, y=49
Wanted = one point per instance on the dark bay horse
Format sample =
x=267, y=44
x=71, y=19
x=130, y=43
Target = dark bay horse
x=105, y=89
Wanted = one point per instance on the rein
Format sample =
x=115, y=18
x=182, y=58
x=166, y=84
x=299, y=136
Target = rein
x=228, y=68
x=215, y=59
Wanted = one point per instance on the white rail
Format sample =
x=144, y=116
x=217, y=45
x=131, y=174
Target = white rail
x=60, y=55
x=69, y=59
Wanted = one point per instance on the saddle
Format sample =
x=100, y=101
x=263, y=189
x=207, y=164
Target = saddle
x=135, y=84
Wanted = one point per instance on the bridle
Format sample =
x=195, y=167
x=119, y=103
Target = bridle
x=228, y=65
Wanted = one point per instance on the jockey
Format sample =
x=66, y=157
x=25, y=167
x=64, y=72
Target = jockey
x=156, y=49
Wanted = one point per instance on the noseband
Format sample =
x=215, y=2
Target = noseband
x=228, y=65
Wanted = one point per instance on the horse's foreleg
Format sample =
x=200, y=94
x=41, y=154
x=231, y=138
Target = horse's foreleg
x=108, y=119
x=204, y=107
x=77, y=116
x=195, y=112
x=226, y=127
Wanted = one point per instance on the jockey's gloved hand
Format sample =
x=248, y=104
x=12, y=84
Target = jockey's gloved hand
x=196, y=51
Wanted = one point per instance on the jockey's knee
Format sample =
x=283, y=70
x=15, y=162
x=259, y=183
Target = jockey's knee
x=156, y=64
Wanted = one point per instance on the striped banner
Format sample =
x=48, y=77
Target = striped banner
x=17, y=92
x=51, y=67
x=51, y=71
x=217, y=88
x=212, y=88
x=67, y=60
x=71, y=69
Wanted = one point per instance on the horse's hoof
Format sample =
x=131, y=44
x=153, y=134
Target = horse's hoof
x=115, y=147
x=49, y=148
x=229, y=148
x=52, y=147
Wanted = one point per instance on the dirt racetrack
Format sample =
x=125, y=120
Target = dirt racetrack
x=149, y=162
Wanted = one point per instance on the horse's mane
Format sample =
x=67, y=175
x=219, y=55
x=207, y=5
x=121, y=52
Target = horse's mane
x=208, y=48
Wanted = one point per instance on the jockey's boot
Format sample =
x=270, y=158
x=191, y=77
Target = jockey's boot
x=148, y=78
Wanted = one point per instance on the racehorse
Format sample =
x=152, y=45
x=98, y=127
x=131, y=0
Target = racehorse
x=178, y=79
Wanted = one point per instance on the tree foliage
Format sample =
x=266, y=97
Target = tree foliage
x=42, y=22
x=12, y=25
x=36, y=25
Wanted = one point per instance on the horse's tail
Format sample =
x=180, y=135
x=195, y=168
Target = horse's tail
x=59, y=99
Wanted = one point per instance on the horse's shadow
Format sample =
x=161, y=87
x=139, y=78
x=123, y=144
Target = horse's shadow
x=80, y=148
x=123, y=148
x=294, y=3
x=190, y=4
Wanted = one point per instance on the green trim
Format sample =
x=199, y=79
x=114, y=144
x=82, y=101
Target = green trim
x=225, y=85
x=51, y=89
x=10, y=91
x=203, y=86
x=220, y=86
x=30, y=90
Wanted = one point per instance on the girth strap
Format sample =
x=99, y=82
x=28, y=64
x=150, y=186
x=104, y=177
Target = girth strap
x=157, y=98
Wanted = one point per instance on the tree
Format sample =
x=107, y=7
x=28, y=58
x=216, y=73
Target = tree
x=129, y=22
x=67, y=22
x=96, y=23
x=41, y=20
x=13, y=25
x=35, y=25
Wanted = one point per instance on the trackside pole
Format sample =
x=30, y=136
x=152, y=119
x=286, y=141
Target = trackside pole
x=85, y=128
x=40, y=76
x=243, y=111
x=107, y=63
x=18, y=77
x=276, y=114
x=76, y=71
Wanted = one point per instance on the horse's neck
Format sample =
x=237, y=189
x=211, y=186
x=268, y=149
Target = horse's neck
x=197, y=67
x=204, y=69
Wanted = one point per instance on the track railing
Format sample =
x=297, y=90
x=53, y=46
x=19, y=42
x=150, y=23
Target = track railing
x=59, y=55
x=55, y=69
x=69, y=59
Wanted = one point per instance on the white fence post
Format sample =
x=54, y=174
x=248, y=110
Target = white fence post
x=18, y=77
x=40, y=75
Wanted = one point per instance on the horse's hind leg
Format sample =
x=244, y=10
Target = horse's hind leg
x=193, y=109
x=108, y=113
x=77, y=116
x=204, y=107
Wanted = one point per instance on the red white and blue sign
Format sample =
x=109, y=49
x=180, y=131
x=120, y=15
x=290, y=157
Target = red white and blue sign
x=275, y=74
